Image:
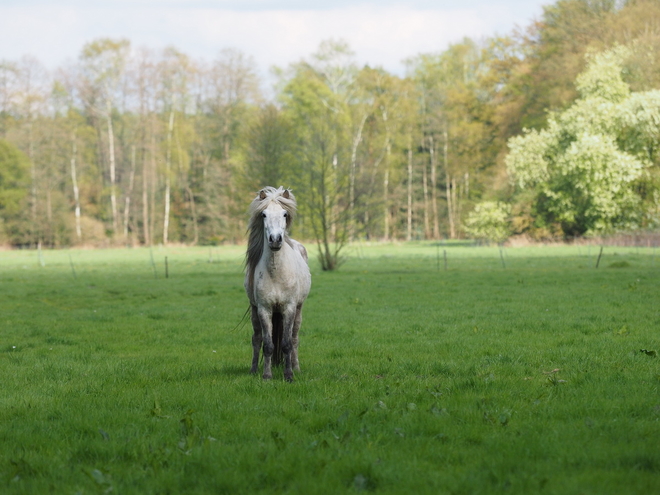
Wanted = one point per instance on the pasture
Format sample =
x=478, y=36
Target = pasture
x=530, y=373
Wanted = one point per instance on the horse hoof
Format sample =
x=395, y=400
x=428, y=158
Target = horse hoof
x=267, y=377
x=253, y=371
x=288, y=377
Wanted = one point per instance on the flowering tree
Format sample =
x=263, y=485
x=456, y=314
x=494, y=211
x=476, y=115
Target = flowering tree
x=592, y=169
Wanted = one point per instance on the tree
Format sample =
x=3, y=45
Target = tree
x=8, y=78
x=316, y=100
x=228, y=99
x=174, y=72
x=268, y=152
x=455, y=124
x=489, y=221
x=31, y=135
x=319, y=178
x=144, y=76
x=386, y=136
x=587, y=166
x=103, y=63
x=137, y=145
x=14, y=184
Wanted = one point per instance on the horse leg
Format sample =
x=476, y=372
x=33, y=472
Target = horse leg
x=265, y=318
x=289, y=317
x=294, y=337
x=256, y=339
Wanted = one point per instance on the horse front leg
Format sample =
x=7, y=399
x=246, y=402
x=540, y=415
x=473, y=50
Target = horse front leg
x=288, y=345
x=257, y=339
x=265, y=318
x=294, y=337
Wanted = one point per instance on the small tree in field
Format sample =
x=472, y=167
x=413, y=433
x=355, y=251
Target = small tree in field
x=593, y=168
x=315, y=103
x=489, y=221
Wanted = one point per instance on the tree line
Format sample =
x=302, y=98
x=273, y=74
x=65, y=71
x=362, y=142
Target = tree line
x=135, y=146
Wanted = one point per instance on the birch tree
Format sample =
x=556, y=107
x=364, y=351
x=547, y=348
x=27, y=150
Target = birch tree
x=231, y=93
x=144, y=75
x=389, y=119
x=103, y=62
x=174, y=72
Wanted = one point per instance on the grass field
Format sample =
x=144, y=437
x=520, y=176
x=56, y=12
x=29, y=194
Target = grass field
x=515, y=374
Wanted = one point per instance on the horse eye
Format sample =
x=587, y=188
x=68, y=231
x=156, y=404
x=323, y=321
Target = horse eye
x=286, y=214
x=263, y=214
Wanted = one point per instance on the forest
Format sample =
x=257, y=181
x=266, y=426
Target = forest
x=549, y=132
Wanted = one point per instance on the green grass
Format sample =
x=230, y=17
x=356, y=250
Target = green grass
x=415, y=379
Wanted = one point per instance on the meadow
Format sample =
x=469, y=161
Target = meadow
x=529, y=372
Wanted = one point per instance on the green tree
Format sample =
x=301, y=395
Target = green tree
x=318, y=180
x=489, y=221
x=103, y=63
x=587, y=167
x=315, y=101
x=14, y=184
x=455, y=122
x=229, y=97
x=268, y=149
x=175, y=69
x=378, y=119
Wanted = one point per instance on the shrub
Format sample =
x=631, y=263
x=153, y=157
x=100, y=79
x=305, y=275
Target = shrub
x=489, y=221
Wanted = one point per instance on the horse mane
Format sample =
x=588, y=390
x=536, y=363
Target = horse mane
x=264, y=198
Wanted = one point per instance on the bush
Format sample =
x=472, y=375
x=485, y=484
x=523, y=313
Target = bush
x=489, y=221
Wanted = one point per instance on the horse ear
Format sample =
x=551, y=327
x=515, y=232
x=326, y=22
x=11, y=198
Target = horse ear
x=262, y=194
x=285, y=194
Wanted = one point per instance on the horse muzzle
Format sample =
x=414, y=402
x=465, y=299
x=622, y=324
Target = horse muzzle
x=275, y=242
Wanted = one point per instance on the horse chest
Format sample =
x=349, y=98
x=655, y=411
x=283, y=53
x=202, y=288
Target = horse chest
x=274, y=287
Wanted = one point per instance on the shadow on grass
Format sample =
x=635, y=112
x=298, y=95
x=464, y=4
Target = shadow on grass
x=234, y=370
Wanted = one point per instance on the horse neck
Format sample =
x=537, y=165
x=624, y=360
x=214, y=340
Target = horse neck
x=276, y=261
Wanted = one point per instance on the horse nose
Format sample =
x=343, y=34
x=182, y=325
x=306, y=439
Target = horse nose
x=276, y=239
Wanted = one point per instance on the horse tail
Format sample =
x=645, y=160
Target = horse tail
x=243, y=319
x=278, y=332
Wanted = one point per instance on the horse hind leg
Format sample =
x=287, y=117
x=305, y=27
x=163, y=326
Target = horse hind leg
x=278, y=331
x=257, y=340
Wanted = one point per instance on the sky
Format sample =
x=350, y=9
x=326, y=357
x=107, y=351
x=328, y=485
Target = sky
x=273, y=32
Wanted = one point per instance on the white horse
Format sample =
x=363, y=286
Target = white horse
x=277, y=281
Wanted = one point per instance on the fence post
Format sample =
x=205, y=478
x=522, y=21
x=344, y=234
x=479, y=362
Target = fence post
x=153, y=263
x=72, y=267
x=599, y=255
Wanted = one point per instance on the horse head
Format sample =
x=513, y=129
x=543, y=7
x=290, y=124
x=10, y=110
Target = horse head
x=276, y=220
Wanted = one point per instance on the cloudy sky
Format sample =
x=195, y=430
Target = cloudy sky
x=273, y=32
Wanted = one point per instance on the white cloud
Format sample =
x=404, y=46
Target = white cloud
x=379, y=35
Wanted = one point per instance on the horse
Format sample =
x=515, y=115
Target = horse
x=277, y=281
